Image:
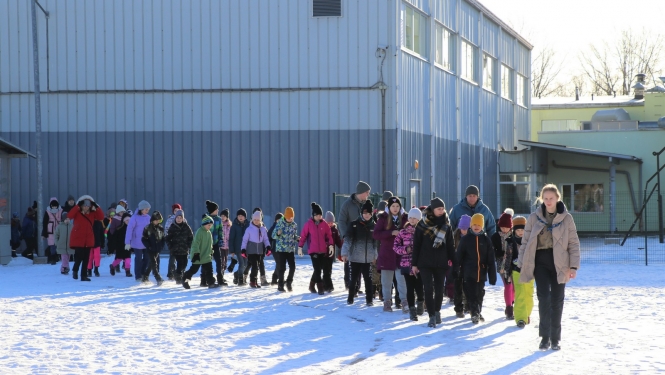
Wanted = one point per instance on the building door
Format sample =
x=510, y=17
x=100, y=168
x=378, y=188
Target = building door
x=414, y=194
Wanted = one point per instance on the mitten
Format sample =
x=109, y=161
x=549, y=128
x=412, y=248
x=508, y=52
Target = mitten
x=331, y=250
x=196, y=257
x=232, y=265
x=268, y=251
x=300, y=251
x=243, y=253
x=128, y=247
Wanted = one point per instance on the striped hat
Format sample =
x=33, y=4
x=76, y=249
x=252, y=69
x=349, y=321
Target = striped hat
x=206, y=220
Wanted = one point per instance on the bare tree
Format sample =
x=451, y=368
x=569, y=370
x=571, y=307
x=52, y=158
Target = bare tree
x=599, y=70
x=544, y=72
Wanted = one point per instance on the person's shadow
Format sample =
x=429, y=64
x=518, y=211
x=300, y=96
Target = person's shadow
x=520, y=364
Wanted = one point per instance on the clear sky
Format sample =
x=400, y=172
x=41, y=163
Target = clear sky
x=570, y=26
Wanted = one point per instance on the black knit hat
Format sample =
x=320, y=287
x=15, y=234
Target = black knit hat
x=211, y=206
x=225, y=212
x=386, y=195
x=393, y=200
x=156, y=216
x=241, y=212
x=316, y=209
x=367, y=207
x=437, y=203
x=279, y=216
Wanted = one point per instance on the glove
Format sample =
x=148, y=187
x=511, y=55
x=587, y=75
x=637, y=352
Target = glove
x=243, y=253
x=268, y=251
x=128, y=247
x=331, y=250
x=196, y=258
x=300, y=251
x=232, y=265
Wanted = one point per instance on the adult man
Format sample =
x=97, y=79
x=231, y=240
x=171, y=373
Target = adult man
x=349, y=212
x=470, y=205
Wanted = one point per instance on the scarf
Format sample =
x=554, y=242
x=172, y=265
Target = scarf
x=502, y=262
x=436, y=231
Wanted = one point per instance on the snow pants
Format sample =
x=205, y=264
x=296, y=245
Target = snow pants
x=153, y=265
x=508, y=291
x=128, y=262
x=523, y=298
x=550, y=295
x=475, y=293
x=65, y=261
x=359, y=270
x=387, y=283
x=95, y=258
x=81, y=256
x=141, y=262
x=281, y=259
x=206, y=272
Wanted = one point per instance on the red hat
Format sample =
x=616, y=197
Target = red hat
x=176, y=206
x=506, y=219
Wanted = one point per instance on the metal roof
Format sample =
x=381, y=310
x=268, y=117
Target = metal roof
x=14, y=150
x=488, y=13
x=575, y=150
x=586, y=102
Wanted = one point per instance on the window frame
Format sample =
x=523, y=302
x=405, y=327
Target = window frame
x=423, y=35
x=528, y=183
x=570, y=205
x=520, y=95
x=438, y=47
x=510, y=95
x=463, y=67
x=492, y=85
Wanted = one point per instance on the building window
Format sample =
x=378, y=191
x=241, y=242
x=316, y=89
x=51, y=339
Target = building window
x=515, y=190
x=468, y=69
x=415, y=32
x=506, y=82
x=327, y=8
x=583, y=197
x=560, y=125
x=488, y=72
x=445, y=47
x=522, y=89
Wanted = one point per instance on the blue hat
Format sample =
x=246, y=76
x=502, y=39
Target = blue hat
x=206, y=220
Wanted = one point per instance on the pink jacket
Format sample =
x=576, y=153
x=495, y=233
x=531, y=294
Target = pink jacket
x=404, y=241
x=227, y=232
x=318, y=237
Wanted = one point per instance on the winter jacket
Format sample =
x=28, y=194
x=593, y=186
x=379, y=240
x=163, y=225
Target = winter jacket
x=135, y=228
x=98, y=230
x=83, y=235
x=217, y=230
x=226, y=227
x=287, y=241
x=202, y=246
x=463, y=208
x=317, y=236
x=16, y=232
x=270, y=235
x=425, y=255
x=402, y=244
x=179, y=238
x=115, y=223
x=28, y=228
x=359, y=244
x=117, y=242
x=514, y=243
x=475, y=255
x=337, y=239
x=255, y=240
x=153, y=238
x=167, y=224
x=236, y=235
x=566, y=244
x=63, y=235
x=350, y=211
x=388, y=258
x=49, y=223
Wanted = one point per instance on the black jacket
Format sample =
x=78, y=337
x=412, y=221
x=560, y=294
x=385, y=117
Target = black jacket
x=362, y=247
x=236, y=234
x=179, y=238
x=98, y=230
x=425, y=255
x=153, y=238
x=117, y=242
x=514, y=244
x=475, y=255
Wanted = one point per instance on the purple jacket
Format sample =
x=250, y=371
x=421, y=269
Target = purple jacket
x=404, y=242
x=135, y=231
x=256, y=235
x=388, y=260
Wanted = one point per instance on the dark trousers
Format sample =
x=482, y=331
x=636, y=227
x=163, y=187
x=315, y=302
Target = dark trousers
x=327, y=270
x=433, y=279
x=260, y=265
x=171, y=267
x=450, y=284
x=550, y=295
x=347, y=277
x=318, y=262
x=180, y=262
x=217, y=256
x=358, y=269
x=459, y=294
x=153, y=265
x=414, y=287
x=140, y=262
x=475, y=292
x=281, y=259
x=254, y=261
x=31, y=248
x=206, y=272
x=224, y=257
x=81, y=256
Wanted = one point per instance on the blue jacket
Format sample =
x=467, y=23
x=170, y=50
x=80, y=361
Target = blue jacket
x=29, y=228
x=236, y=235
x=462, y=208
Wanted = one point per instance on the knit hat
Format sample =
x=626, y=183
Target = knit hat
x=330, y=217
x=144, y=205
x=176, y=206
x=225, y=212
x=415, y=213
x=119, y=209
x=206, y=220
x=156, y=216
x=382, y=206
x=316, y=209
x=422, y=208
x=241, y=212
x=472, y=190
x=289, y=213
x=386, y=195
x=437, y=203
x=71, y=198
x=506, y=218
x=180, y=212
x=464, y=222
x=519, y=222
x=53, y=202
x=278, y=216
x=257, y=215
x=368, y=207
x=393, y=200
x=362, y=187
x=211, y=206
x=123, y=200
x=478, y=219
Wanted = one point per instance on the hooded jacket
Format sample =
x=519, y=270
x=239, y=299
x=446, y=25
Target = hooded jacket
x=337, y=239
x=475, y=255
x=135, y=229
x=226, y=228
x=287, y=241
x=403, y=242
x=351, y=210
x=179, y=238
x=463, y=208
x=63, y=235
x=359, y=243
x=237, y=232
x=255, y=240
x=153, y=238
x=83, y=235
x=317, y=236
x=202, y=245
x=50, y=222
x=388, y=259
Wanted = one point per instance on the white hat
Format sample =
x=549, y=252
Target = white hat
x=415, y=213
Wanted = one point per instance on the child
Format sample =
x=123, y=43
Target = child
x=201, y=255
x=15, y=241
x=360, y=250
x=461, y=306
x=475, y=255
x=262, y=267
x=224, y=249
x=255, y=243
x=286, y=239
x=403, y=245
x=337, y=241
x=523, y=291
x=95, y=253
x=501, y=250
x=52, y=217
x=179, y=238
x=117, y=243
x=63, y=234
x=167, y=225
x=319, y=239
x=271, y=233
x=135, y=228
x=217, y=238
x=236, y=235
x=29, y=231
x=153, y=240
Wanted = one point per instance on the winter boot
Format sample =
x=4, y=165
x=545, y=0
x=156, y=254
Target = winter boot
x=244, y=279
x=555, y=345
x=264, y=282
x=320, y=287
x=311, y=287
x=178, y=278
x=481, y=318
x=544, y=343
x=475, y=319
x=413, y=314
x=349, y=300
x=420, y=307
x=459, y=314
x=89, y=273
x=75, y=275
x=387, y=305
x=437, y=316
x=128, y=273
x=521, y=324
x=213, y=286
x=274, y=279
x=221, y=281
x=65, y=271
x=289, y=287
x=145, y=279
x=252, y=284
x=204, y=282
x=509, y=313
x=405, y=309
x=235, y=280
x=112, y=269
x=185, y=283
x=160, y=282
x=117, y=268
x=280, y=287
x=96, y=271
x=432, y=322
x=14, y=254
x=398, y=302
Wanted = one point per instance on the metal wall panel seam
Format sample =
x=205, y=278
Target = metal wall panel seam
x=479, y=89
x=458, y=89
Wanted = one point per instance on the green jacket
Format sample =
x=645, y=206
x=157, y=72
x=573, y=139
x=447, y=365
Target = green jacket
x=202, y=245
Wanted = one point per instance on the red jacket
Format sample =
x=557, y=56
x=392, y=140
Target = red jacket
x=82, y=234
x=337, y=240
x=318, y=237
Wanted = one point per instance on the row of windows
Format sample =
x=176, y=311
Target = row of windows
x=416, y=41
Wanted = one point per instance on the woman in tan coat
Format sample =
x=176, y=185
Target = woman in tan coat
x=550, y=254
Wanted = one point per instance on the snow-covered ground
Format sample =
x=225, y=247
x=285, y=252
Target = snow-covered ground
x=613, y=323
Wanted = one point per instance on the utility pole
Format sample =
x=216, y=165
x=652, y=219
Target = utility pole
x=38, y=126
